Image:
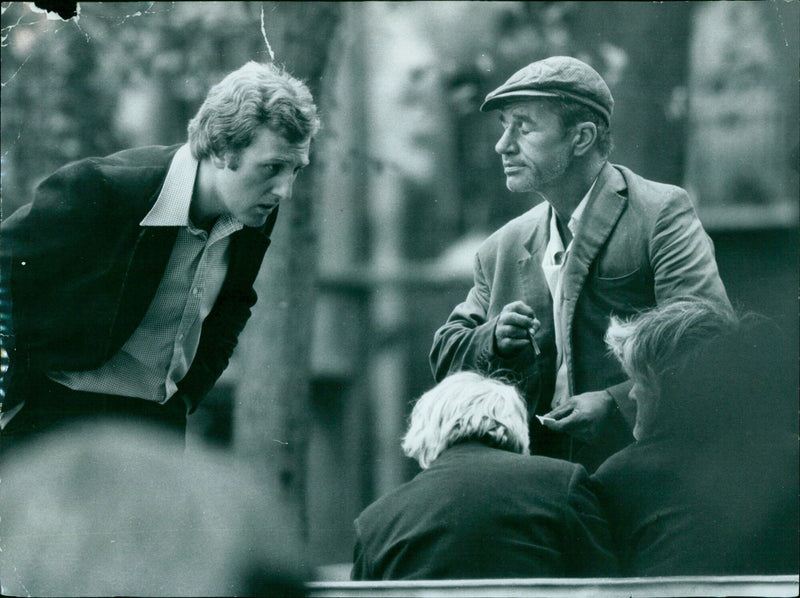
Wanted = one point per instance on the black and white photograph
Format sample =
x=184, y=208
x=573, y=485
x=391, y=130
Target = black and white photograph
x=400, y=298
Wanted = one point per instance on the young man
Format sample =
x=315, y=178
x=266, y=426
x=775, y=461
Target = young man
x=131, y=276
x=604, y=241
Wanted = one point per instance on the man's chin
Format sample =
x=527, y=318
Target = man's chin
x=258, y=217
x=253, y=221
x=517, y=186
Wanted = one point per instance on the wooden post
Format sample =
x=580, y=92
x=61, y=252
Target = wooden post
x=273, y=370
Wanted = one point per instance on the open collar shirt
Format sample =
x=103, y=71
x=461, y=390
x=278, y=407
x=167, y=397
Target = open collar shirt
x=555, y=256
x=159, y=352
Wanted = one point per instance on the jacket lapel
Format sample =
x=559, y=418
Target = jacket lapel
x=598, y=220
x=148, y=261
x=534, y=285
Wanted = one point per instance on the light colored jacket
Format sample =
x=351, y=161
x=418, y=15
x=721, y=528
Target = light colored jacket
x=638, y=244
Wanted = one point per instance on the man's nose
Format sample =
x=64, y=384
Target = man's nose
x=506, y=143
x=283, y=187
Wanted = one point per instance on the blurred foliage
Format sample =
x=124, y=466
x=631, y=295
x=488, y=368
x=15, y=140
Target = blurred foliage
x=62, y=80
x=495, y=40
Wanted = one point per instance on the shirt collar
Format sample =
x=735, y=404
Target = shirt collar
x=574, y=220
x=172, y=205
x=578, y=211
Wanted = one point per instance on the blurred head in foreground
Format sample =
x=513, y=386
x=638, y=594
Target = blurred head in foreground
x=700, y=371
x=107, y=511
x=462, y=407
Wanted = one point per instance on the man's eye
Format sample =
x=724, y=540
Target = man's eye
x=523, y=126
x=272, y=169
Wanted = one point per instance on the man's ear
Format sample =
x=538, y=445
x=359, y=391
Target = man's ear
x=219, y=161
x=584, y=136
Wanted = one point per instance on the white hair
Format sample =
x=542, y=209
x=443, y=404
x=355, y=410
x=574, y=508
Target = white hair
x=466, y=406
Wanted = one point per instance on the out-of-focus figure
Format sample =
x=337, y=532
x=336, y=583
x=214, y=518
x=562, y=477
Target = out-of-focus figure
x=482, y=507
x=109, y=510
x=710, y=487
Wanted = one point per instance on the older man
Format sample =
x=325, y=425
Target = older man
x=605, y=241
x=131, y=276
x=482, y=507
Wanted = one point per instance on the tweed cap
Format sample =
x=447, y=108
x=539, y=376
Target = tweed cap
x=557, y=76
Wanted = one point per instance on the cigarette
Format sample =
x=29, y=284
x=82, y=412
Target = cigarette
x=537, y=351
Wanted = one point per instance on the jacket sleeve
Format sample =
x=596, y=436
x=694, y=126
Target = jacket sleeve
x=219, y=338
x=466, y=340
x=45, y=246
x=360, y=570
x=227, y=319
x=588, y=545
x=682, y=254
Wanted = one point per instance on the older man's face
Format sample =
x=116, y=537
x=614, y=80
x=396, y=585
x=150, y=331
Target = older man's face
x=534, y=146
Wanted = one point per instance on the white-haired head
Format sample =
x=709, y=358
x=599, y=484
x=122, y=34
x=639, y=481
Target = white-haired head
x=466, y=406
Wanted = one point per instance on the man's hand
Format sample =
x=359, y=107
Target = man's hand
x=581, y=416
x=515, y=327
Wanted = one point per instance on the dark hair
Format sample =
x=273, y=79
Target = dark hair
x=572, y=113
x=742, y=382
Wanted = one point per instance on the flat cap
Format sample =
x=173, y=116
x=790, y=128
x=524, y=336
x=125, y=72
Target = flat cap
x=557, y=76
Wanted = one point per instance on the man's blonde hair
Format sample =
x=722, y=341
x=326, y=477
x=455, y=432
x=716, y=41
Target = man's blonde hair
x=466, y=406
x=252, y=96
x=662, y=339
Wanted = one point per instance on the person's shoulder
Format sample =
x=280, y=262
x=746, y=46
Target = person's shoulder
x=393, y=506
x=387, y=502
x=137, y=164
x=641, y=190
x=109, y=187
x=152, y=156
x=639, y=459
x=522, y=223
x=543, y=472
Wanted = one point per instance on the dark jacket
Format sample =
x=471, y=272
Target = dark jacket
x=678, y=507
x=82, y=271
x=481, y=512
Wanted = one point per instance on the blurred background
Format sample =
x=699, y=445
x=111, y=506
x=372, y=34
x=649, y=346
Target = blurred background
x=376, y=247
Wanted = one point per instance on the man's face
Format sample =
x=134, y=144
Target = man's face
x=263, y=178
x=536, y=150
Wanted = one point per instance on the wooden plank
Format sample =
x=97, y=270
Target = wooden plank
x=783, y=585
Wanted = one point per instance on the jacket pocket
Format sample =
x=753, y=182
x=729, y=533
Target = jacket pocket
x=624, y=294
